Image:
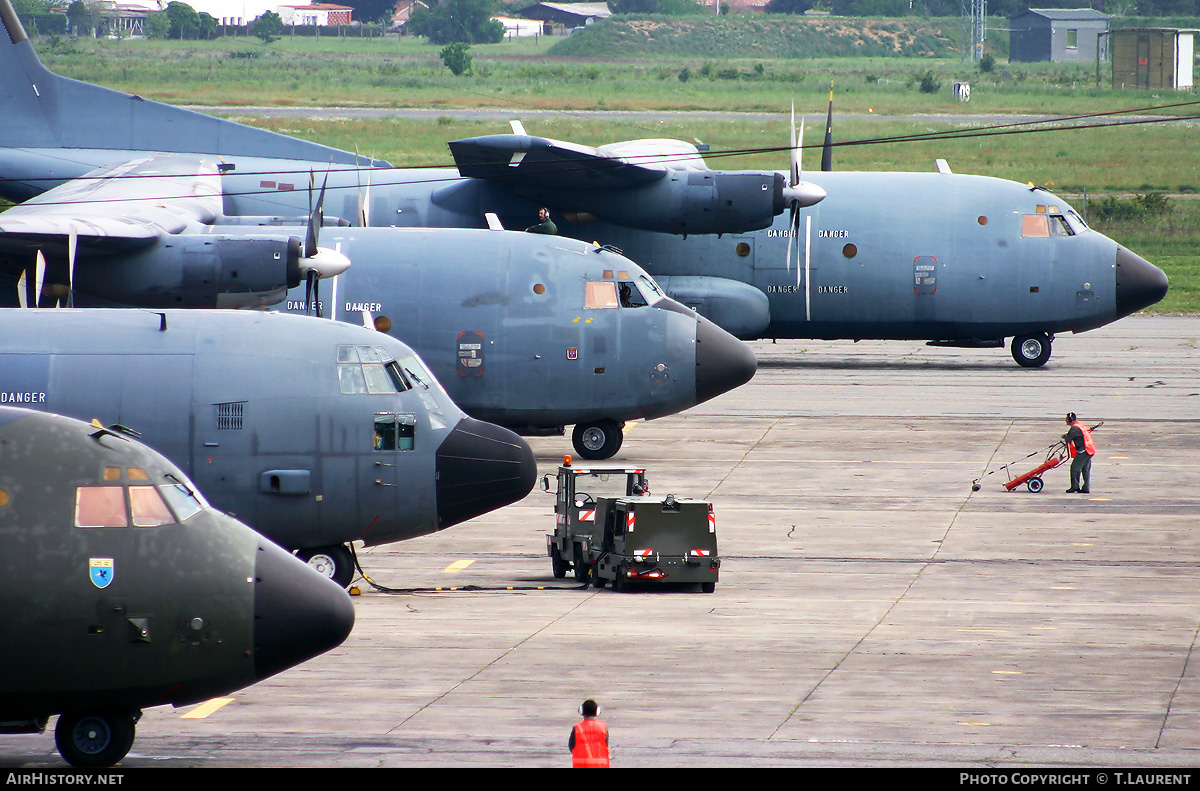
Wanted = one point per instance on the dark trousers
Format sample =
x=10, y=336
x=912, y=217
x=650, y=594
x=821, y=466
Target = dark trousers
x=1081, y=467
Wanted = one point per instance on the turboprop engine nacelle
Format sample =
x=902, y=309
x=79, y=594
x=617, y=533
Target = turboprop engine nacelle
x=691, y=201
x=203, y=271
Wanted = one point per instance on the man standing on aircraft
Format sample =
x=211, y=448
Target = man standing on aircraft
x=1081, y=449
x=545, y=224
x=589, y=739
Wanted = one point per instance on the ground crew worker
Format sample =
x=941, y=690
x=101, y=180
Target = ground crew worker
x=1081, y=449
x=545, y=224
x=589, y=739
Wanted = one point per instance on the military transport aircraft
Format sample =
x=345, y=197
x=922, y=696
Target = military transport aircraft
x=123, y=589
x=531, y=331
x=952, y=259
x=315, y=433
x=957, y=260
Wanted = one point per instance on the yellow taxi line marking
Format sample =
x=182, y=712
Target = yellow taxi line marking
x=1006, y=672
x=1062, y=587
x=208, y=707
x=458, y=565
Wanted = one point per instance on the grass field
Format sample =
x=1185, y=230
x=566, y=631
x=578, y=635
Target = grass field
x=881, y=92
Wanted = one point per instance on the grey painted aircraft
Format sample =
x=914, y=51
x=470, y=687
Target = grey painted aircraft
x=124, y=589
x=315, y=433
x=530, y=331
x=952, y=259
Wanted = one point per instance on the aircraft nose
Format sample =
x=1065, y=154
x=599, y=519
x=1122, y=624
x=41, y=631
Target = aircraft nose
x=722, y=361
x=481, y=467
x=297, y=612
x=1139, y=282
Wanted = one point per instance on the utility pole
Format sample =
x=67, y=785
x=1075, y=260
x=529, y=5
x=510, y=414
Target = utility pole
x=974, y=14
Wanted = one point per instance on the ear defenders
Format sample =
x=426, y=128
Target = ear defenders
x=581, y=714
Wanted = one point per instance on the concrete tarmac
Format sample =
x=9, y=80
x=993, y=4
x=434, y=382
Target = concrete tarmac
x=872, y=610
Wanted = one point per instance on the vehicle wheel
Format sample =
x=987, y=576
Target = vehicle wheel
x=94, y=741
x=334, y=562
x=619, y=581
x=1035, y=485
x=599, y=440
x=1031, y=351
x=708, y=587
x=581, y=568
x=558, y=565
x=598, y=581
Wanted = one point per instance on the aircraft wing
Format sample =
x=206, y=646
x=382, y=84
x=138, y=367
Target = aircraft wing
x=554, y=164
x=122, y=207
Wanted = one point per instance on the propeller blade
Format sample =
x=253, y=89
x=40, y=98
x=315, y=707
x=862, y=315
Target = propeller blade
x=364, y=194
x=794, y=153
x=310, y=238
x=827, y=148
x=791, y=221
x=72, y=246
x=22, y=292
x=39, y=279
x=317, y=295
x=309, y=279
x=333, y=298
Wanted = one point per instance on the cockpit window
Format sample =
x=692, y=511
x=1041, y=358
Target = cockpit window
x=140, y=505
x=100, y=506
x=395, y=431
x=369, y=369
x=1045, y=225
x=184, y=502
x=630, y=296
x=600, y=294
x=1059, y=226
x=147, y=507
x=650, y=289
x=1035, y=225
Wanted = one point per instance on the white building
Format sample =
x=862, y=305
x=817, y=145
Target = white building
x=515, y=28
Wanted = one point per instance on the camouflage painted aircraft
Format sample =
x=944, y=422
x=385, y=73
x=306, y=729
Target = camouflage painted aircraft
x=315, y=433
x=531, y=331
x=124, y=589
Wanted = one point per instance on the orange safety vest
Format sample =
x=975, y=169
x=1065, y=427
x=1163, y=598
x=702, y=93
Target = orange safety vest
x=1088, y=445
x=591, y=745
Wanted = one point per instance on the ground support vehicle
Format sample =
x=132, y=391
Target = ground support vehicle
x=579, y=487
x=654, y=540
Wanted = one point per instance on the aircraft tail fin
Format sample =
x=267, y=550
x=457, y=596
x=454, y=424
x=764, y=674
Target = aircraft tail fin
x=40, y=109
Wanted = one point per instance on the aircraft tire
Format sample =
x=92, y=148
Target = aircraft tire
x=334, y=562
x=1031, y=351
x=581, y=568
x=598, y=440
x=95, y=740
